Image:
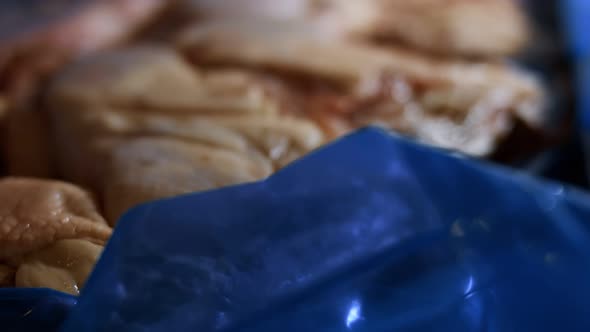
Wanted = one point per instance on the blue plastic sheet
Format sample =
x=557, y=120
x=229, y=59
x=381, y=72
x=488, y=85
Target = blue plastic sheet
x=373, y=233
x=584, y=96
x=575, y=16
x=33, y=309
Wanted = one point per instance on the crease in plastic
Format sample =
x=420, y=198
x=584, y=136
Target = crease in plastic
x=371, y=233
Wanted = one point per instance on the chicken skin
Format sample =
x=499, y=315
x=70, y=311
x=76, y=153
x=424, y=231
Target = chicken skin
x=343, y=85
x=142, y=123
x=481, y=28
x=48, y=225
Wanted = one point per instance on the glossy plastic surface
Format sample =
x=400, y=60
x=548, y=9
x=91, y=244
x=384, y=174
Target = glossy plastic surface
x=33, y=309
x=575, y=15
x=584, y=96
x=372, y=233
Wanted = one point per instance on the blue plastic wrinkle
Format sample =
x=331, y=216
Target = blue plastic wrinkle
x=575, y=15
x=371, y=233
x=33, y=309
x=583, y=92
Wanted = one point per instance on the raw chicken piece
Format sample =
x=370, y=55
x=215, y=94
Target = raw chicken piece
x=149, y=168
x=134, y=78
x=143, y=76
x=150, y=91
x=279, y=10
x=37, y=37
x=270, y=135
x=201, y=122
x=326, y=18
x=37, y=213
x=63, y=266
x=453, y=27
x=157, y=79
x=455, y=104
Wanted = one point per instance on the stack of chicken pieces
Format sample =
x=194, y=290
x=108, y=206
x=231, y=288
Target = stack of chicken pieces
x=51, y=232
x=246, y=87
